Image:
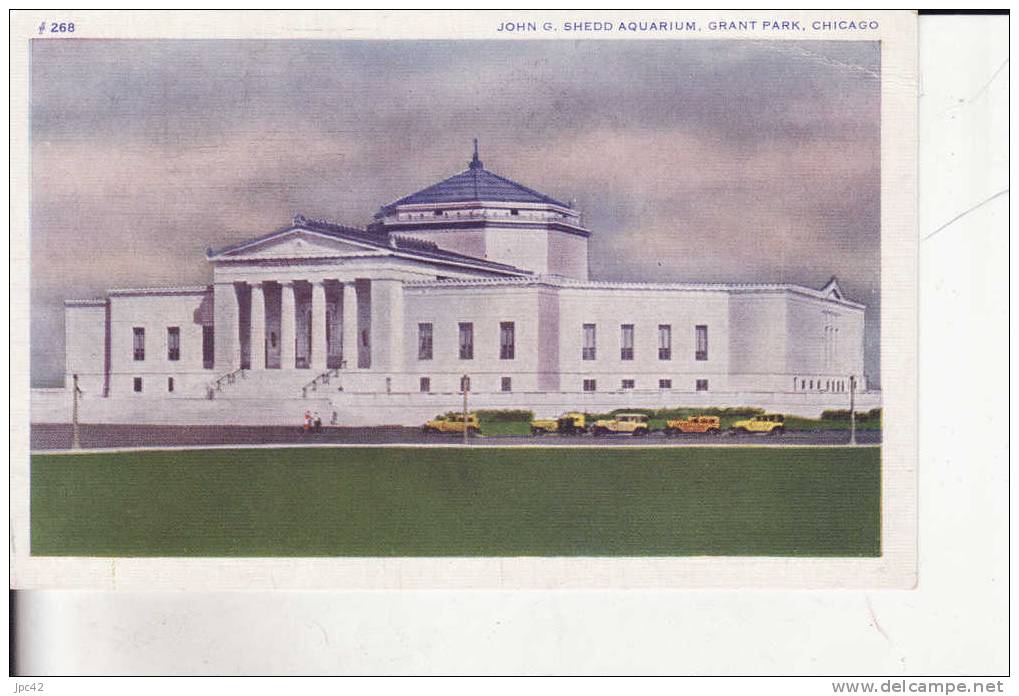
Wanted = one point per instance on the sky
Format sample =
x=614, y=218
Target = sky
x=699, y=161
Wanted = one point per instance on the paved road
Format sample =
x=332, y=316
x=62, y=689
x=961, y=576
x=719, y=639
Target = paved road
x=58, y=436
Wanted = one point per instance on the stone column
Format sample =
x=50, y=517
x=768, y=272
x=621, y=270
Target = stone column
x=227, y=336
x=257, y=326
x=288, y=326
x=350, y=325
x=319, y=346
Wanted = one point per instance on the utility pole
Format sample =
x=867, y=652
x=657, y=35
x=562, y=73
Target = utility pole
x=852, y=409
x=75, y=436
x=465, y=386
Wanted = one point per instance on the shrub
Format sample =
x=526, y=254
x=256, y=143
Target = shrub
x=682, y=412
x=843, y=414
x=733, y=411
x=505, y=415
x=835, y=414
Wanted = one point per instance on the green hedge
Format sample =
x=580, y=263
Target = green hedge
x=843, y=414
x=505, y=415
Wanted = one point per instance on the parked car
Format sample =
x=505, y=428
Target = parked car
x=693, y=424
x=571, y=423
x=629, y=423
x=453, y=423
x=769, y=423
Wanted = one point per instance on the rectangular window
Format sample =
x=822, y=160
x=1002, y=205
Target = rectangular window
x=169, y=384
x=465, y=384
x=208, y=347
x=466, y=341
x=626, y=342
x=628, y=384
x=173, y=343
x=507, y=384
x=665, y=384
x=425, y=384
x=589, y=342
x=139, y=343
x=701, y=342
x=424, y=341
x=702, y=385
x=665, y=342
x=137, y=384
x=507, y=341
x=590, y=385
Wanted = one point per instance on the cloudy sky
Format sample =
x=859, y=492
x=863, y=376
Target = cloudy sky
x=691, y=160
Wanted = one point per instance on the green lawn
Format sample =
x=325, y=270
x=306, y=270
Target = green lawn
x=810, y=501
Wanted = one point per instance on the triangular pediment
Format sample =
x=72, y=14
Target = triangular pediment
x=299, y=244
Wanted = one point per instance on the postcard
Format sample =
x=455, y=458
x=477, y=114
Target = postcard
x=598, y=299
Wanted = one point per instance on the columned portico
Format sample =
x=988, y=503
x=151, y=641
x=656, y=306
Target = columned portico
x=292, y=324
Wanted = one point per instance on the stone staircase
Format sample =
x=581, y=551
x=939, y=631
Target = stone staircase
x=322, y=382
x=273, y=384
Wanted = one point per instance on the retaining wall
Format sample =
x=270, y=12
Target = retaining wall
x=369, y=409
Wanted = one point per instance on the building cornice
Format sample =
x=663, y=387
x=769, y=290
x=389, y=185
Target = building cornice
x=180, y=290
x=483, y=223
x=572, y=284
x=489, y=205
x=86, y=302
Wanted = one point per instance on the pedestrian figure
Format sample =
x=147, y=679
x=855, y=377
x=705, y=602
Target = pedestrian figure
x=307, y=421
x=318, y=422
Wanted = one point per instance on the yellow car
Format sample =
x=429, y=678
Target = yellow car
x=571, y=423
x=770, y=423
x=635, y=424
x=453, y=423
x=693, y=424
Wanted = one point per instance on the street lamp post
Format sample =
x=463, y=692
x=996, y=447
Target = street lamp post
x=465, y=386
x=75, y=435
x=852, y=409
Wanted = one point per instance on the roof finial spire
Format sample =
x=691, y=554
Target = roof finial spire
x=476, y=163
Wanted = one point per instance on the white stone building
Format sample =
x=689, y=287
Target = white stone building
x=477, y=276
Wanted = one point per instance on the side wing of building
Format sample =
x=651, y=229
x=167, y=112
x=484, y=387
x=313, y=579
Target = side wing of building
x=547, y=335
x=144, y=342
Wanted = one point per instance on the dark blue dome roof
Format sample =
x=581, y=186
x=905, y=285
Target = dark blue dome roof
x=474, y=184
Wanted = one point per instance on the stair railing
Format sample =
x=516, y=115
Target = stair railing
x=228, y=378
x=322, y=379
